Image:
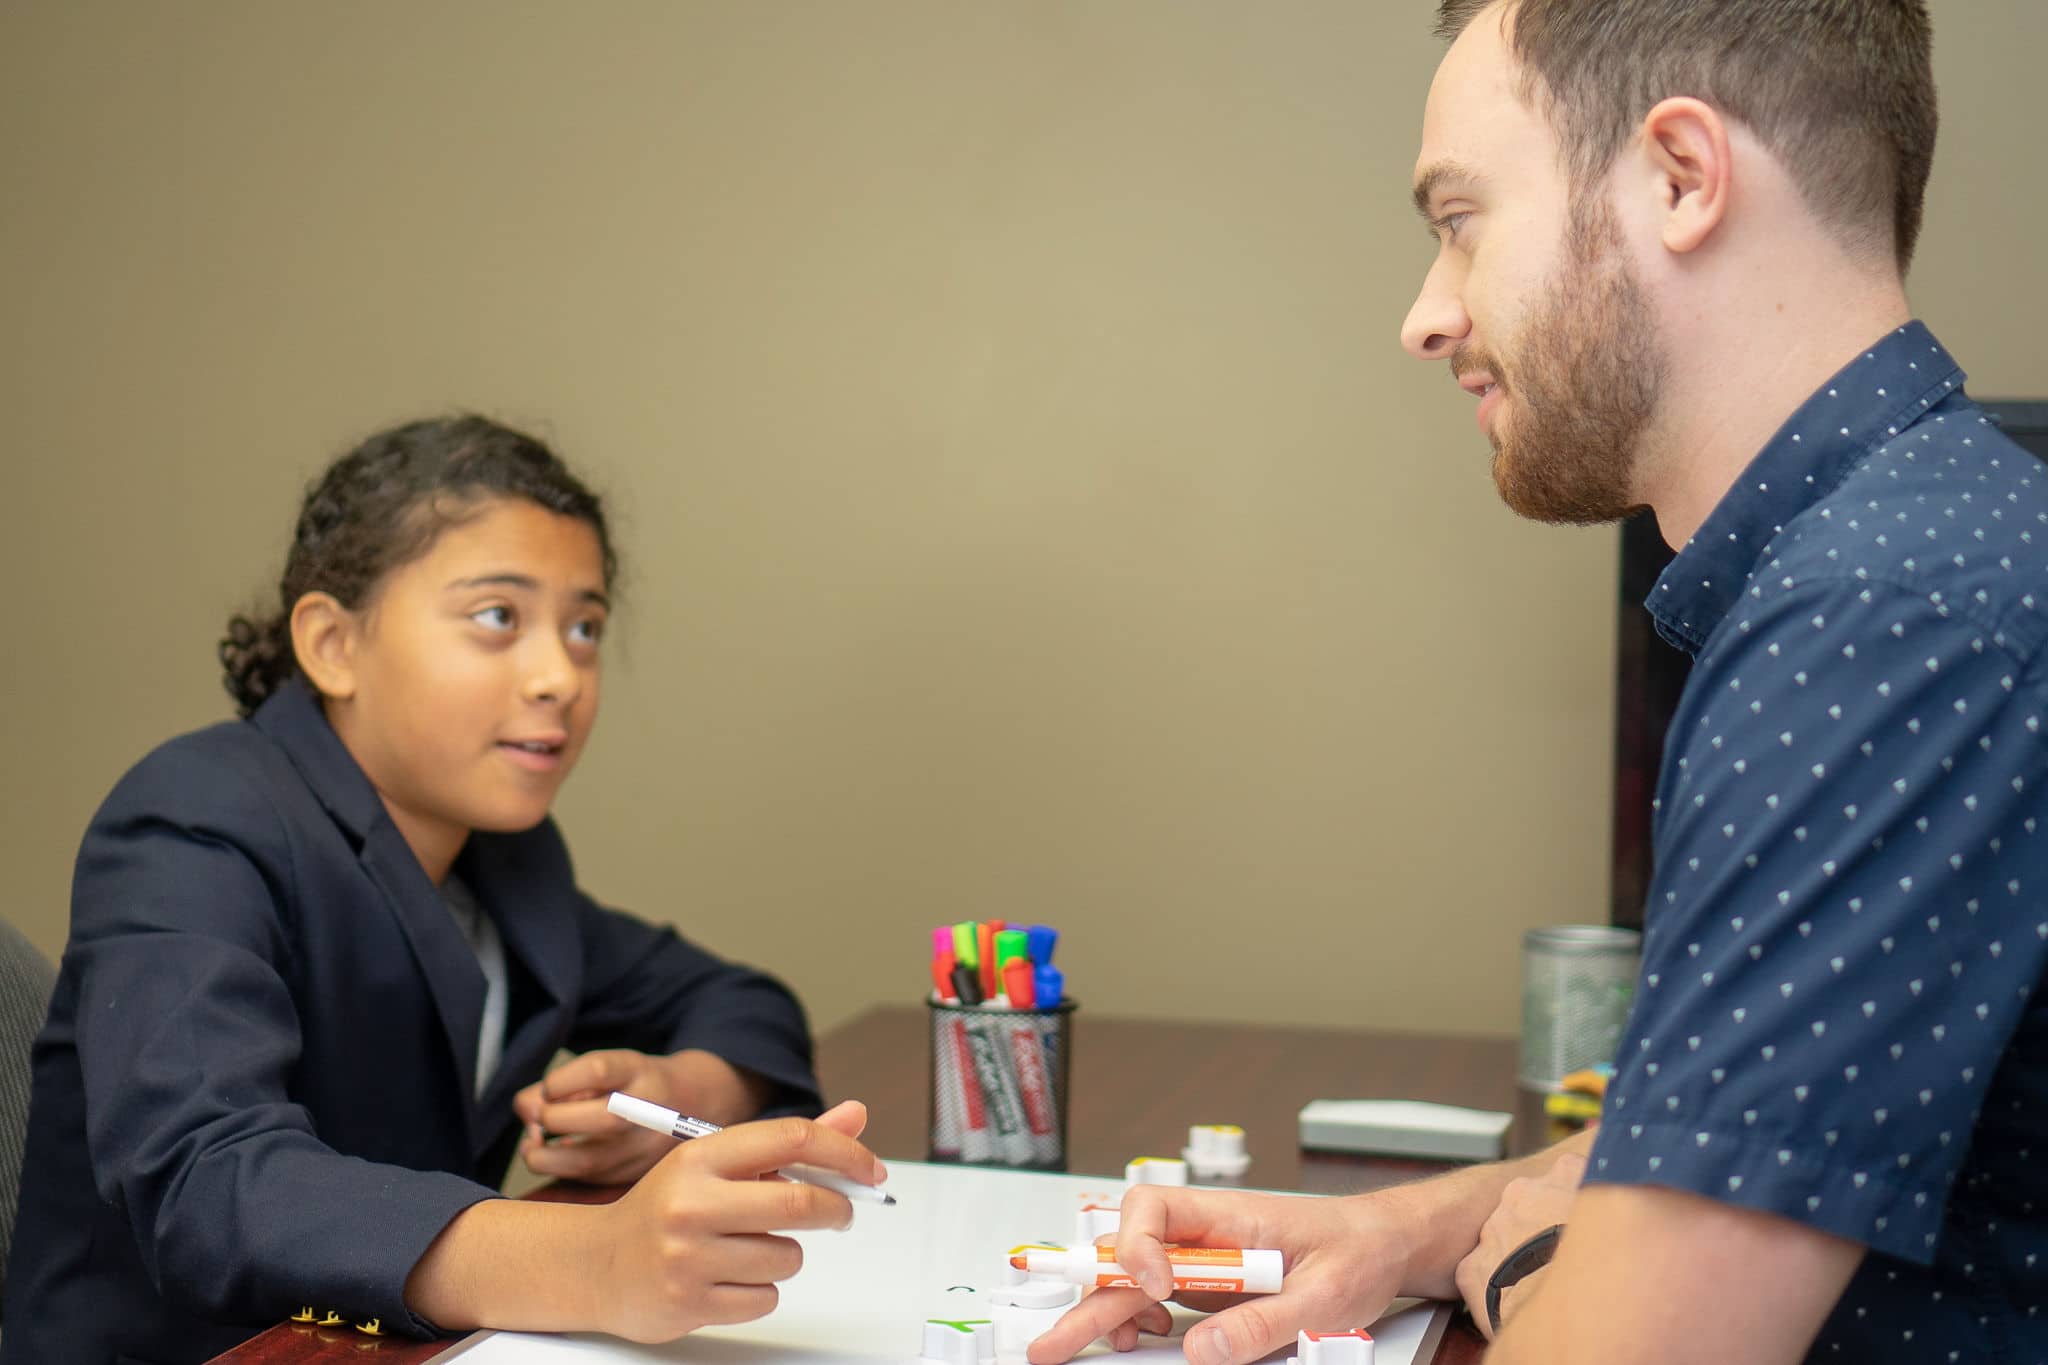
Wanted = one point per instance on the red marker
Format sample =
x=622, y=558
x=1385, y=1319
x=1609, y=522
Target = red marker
x=942, y=962
x=1017, y=983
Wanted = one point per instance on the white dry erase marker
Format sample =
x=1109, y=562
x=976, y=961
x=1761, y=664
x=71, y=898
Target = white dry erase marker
x=662, y=1119
x=1221, y=1270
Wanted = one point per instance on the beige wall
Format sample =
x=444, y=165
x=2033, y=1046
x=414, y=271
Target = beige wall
x=1027, y=508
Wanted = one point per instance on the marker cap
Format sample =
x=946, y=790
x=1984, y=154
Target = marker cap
x=1095, y=1220
x=985, y=932
x=646, y=1113
x=1017, y=984
x=966, y=984
x=1332, y=1348
x=1156, y=1170
x=966, y=1342
x=1023, y=1288
x=1216, y=1149
x=1048, y=987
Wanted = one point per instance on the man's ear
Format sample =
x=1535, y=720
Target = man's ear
x=324, y=636
x=1685, y=142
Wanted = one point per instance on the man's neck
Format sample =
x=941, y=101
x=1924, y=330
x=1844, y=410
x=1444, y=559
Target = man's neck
x=1738, y=370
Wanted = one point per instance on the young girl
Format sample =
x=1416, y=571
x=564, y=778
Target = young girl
x=320, y=957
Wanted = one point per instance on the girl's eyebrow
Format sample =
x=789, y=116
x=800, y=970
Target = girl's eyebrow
x=525, y=583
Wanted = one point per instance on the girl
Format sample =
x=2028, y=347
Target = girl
x=320, y=957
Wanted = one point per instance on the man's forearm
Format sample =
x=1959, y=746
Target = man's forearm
x=1443, y=1215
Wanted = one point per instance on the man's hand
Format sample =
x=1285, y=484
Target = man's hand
x=570, y=1135
x=1527, y=1206
x=1344, y=1261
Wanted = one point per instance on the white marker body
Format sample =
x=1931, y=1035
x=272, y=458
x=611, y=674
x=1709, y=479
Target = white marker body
x=1219, y=1270
x=662, y=1119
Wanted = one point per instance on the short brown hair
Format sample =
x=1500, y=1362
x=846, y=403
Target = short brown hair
x=1841, y=91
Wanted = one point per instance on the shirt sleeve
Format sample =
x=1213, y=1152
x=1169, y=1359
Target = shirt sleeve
x=648, y=987
x=187, y=1037
x=1847, y=917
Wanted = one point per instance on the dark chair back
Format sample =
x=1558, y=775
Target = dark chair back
x=26, y=977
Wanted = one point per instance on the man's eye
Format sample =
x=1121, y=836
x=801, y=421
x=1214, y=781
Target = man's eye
x=496, y=618
x=1447, y=226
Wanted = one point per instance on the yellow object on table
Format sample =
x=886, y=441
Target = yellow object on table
x=1576, y=1104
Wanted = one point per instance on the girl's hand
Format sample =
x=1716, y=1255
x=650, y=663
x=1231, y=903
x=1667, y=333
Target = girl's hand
x=570, y=1135
x=1344, y=1260
x=692, y=1244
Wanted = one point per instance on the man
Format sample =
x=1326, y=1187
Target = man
x=1671, y=237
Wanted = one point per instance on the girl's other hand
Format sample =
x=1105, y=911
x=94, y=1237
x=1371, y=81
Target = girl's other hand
x=571, y=1135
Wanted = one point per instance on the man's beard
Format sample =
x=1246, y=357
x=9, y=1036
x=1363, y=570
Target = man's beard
x=1584, y=383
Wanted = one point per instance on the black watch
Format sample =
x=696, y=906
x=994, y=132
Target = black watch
x=1518, y=1265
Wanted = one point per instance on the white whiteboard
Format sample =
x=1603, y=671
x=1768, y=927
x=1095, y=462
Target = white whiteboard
x=864, y=1294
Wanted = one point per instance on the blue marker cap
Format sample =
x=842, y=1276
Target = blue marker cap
x=1048, y=984
x=1042, y=941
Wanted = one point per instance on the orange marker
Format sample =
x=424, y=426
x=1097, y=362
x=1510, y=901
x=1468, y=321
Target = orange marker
x=985, y=956
x=1219, y=1270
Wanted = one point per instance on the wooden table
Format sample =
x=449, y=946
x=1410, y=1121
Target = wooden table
x=1135, y=1086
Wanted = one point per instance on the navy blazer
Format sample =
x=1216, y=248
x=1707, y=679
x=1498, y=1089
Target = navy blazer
x=254, y=1092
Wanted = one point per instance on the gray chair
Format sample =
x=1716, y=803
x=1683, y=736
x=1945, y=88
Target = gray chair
x=25, y=981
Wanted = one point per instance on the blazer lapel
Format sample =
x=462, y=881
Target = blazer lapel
x=448, y=966
x=535, y=910
x=445, y=958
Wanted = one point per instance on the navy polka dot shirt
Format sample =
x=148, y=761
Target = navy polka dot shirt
x=1837, y=1020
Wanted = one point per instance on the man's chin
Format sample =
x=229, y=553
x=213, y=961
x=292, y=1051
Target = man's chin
x=1548, y=503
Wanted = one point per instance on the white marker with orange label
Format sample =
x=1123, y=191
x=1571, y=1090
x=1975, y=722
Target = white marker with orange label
x=1217, y=1270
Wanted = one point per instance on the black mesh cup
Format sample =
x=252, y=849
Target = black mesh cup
x=998, y=1092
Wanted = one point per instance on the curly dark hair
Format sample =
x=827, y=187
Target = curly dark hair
x=381, y=506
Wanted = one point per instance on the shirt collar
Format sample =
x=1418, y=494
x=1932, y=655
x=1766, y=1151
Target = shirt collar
x=1873, y=398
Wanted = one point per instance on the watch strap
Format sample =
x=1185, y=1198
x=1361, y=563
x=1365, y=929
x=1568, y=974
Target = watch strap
x=1524, y=1261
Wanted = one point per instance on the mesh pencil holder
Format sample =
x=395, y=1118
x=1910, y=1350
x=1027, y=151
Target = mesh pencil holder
x=1577, y=983
x=998, y=1094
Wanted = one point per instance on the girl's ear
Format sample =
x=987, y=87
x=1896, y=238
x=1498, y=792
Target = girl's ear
x=324, y=636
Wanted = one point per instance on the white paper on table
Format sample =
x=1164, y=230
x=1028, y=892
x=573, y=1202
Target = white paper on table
x=866, y=1293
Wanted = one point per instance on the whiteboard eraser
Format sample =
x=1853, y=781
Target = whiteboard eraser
x=1442, y=1132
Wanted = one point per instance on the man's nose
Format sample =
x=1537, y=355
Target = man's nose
x=1437, y=323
